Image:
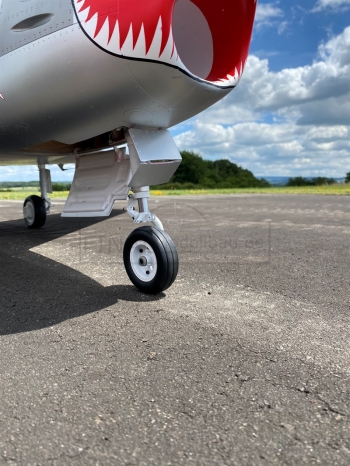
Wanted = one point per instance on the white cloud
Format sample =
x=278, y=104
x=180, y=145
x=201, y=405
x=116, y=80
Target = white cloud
x=30, y=173
x=282, y=27
x=289, y=122
x=267, y=11
x=270, y=15
x=334, y=4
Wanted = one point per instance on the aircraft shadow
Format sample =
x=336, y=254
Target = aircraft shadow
x=37, y=292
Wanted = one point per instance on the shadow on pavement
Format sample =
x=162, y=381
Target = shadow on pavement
x=37, y=292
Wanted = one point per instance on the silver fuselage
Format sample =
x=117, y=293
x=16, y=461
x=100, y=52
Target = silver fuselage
x=57, y=85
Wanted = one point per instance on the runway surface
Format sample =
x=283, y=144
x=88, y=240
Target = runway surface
x=244, y=361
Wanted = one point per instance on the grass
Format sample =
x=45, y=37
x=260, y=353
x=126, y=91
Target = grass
x=334, y=190
x=22, y=194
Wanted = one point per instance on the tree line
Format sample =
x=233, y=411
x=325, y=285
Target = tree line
x=195, y=172
x=318, y=181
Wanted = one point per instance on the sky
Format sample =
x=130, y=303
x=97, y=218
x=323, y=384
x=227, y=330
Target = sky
x=290, y=114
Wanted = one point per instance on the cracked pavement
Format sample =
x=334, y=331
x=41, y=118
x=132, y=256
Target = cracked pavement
x=244, y=361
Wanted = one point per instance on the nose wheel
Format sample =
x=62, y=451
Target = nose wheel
x=150, y=259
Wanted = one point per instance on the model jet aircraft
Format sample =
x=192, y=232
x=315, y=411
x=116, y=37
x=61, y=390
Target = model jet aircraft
x=98, y=83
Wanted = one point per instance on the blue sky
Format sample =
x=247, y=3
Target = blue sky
x=290, y=114
x=292, y=30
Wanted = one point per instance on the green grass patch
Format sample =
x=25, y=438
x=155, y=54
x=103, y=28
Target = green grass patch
x=335, y=190
x=21, y=194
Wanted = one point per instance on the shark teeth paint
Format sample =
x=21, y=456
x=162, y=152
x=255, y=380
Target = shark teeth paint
x=154, y=31
x=131, y=28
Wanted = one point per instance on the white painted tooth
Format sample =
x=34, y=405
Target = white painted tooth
x=166, y=55
x=84, y=14
x=170, y=54
x=232, y=80
x=102, y=36
x=153, y=53
x=140, y=47
x=90, y=26
x=114, y=44
x=128, y=48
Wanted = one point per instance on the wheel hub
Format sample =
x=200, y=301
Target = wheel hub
x=143, y=261
x=28, y=213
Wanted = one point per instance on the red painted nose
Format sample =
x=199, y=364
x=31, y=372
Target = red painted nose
x=210, y=38
x=134, y=14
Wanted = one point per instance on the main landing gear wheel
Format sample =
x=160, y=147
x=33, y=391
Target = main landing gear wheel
x=34, y=212
x=150, y=259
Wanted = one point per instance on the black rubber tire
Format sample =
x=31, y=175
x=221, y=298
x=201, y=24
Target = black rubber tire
x=166, y=255
x=39, y=209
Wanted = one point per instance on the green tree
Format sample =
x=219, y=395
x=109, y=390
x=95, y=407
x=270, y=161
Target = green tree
x=321, y=181
x=191, y=169
x=347, y=179
x=318, y=181
x=61, y=186
x=195, y=172
x=299, y=181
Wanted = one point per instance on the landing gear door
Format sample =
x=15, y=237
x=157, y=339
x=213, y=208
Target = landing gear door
x=154, y=157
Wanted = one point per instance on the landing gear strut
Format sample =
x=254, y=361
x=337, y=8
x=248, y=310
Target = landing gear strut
x=35, y=208
x=103, y=176
x=150, y=256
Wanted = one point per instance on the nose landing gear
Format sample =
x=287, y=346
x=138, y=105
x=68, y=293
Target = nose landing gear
x=150, y=256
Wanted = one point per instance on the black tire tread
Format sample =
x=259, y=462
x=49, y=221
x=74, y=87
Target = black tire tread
x=40, y=211
x=173, y=264
x=167, y=250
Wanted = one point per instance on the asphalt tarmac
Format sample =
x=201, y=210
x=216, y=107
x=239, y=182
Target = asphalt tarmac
x=244, y=361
